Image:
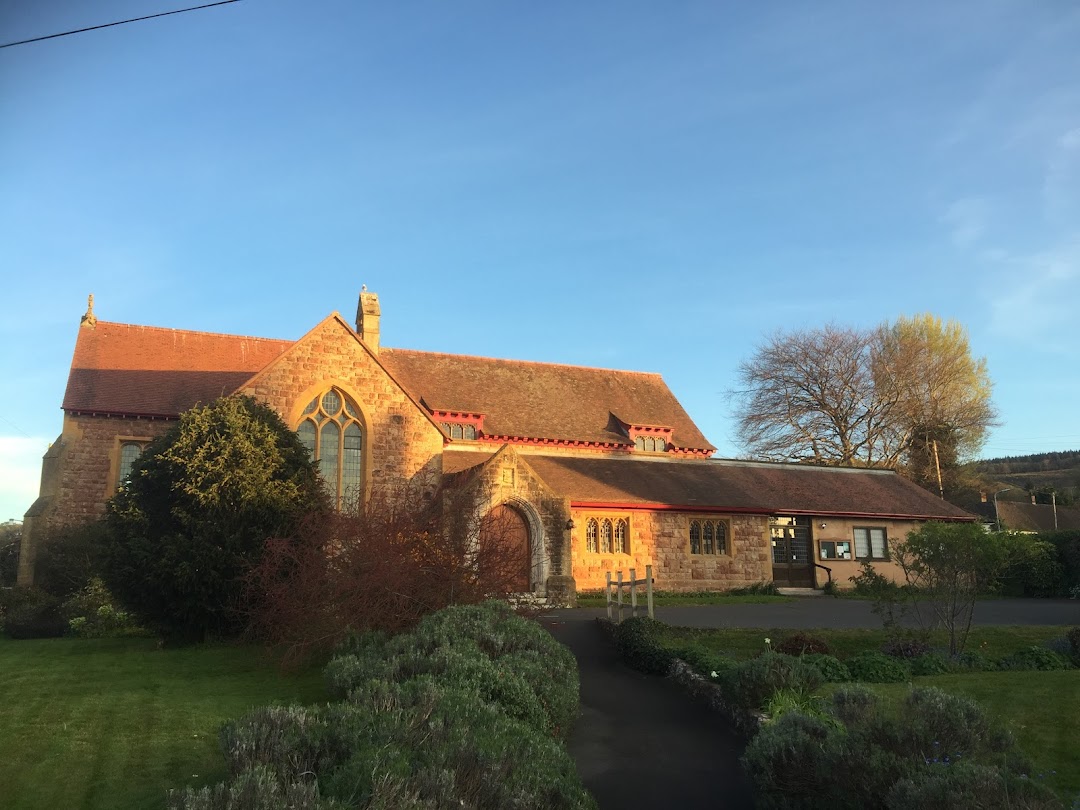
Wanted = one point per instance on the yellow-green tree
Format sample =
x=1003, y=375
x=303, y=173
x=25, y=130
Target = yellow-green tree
x=939, y=394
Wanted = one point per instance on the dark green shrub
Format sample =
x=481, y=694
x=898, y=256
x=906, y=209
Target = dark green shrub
x=974, y=661
x=942, y=725
x=906, y=645
x=797, y=762
x=1033, y=569
x=1067, y=545
x=92, y=613
x=802, y=643
x=635, y=641
x=832, y=669
x=257, y=789
x=752, y=682
x=10, y=543
x=1073, y=637
x=958, y=785
x=68, y=558
x=875, y=667
x=194, y=517
x=855, y=705
x=32, y=613
x=930, y=663
x=1033, y=658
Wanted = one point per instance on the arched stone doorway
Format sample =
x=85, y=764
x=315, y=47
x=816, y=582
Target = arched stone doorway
x=507, y=529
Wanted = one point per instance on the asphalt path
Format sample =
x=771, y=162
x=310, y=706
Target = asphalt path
x=640, y=740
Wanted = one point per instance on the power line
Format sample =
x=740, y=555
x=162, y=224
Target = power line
x=119, y=22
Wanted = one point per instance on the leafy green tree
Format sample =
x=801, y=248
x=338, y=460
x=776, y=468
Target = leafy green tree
x=940, y=395
x=197, y=510
x=946, y=566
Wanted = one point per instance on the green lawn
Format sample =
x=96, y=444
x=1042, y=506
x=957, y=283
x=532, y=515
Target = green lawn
x=673, y=599
x=1041, y=708
x=114, y=723
x=993, y=642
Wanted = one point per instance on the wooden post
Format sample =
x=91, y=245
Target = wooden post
x=648, y=589
x=618, y=598
x=607, y=592
x=633, y=593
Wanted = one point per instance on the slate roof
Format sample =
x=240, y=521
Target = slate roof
x=149, y=371
x=523, y=399
x=725, y=485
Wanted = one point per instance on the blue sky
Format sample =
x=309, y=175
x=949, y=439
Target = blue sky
x=637, y=185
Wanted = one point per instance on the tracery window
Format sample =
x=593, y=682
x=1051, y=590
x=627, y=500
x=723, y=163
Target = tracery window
x=331, y=430
x=457, y=430
x=607, y=535
x=708, y=536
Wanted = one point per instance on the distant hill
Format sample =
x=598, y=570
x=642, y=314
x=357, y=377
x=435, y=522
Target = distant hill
x=1037, y=473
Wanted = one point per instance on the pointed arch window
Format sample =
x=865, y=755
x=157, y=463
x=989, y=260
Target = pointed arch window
x=592, y=531
x=708, y=537
x=331, y=430
x=607, y=535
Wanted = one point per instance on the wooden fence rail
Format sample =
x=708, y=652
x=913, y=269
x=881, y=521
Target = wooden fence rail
x=631, y=584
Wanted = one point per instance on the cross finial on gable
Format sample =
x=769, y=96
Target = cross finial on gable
x=89, y=319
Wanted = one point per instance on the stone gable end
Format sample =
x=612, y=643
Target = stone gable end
x=400, y=440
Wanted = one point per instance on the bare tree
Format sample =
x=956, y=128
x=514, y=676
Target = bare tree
x=810, y=396
x=908, y=394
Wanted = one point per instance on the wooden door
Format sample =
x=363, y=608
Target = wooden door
x=507, y=527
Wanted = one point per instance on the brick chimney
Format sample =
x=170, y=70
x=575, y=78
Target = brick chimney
x=367, y=319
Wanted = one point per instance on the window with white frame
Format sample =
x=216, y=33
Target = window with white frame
x=871, y=543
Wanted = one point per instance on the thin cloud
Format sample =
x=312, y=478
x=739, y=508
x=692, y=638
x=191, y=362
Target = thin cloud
x=967, y=220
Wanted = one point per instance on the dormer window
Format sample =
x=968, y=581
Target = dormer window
x=460, y=425
x=650, y=444
x=649, y=438
x=456, y=430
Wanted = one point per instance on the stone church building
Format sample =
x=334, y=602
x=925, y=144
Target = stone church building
x=601, y=470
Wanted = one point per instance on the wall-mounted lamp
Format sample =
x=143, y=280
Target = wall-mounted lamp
x=822, y=526
x=569, y=524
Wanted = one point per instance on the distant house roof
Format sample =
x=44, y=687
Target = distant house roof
x=725, y=485
x=149, y=371
x=523, y=399
x=1037, y=517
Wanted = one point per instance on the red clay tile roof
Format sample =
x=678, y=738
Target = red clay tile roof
x=544, y=400
x=148, y=371
x=718, y=484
